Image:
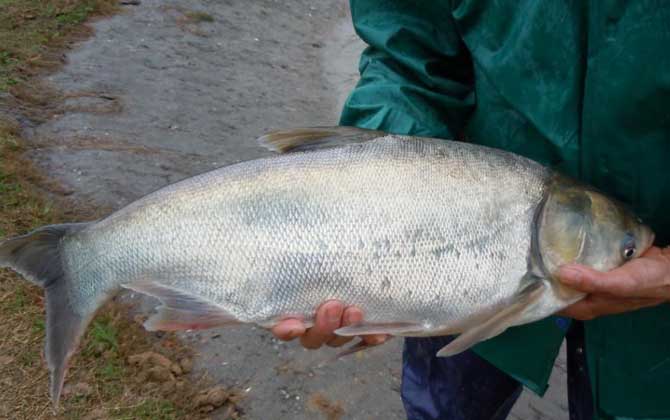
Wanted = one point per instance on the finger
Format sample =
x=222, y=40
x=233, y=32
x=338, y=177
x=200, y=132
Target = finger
x=635, y=279
x=594, y=306
x=356, y=316
x=352, y=315
x=288, y=329
x=375, y=339
x=588, y=280
x=653, y=251
x=328, y=319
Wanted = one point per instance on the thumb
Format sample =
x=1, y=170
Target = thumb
x=582, y=278
x=621, y=281
x=631, y=279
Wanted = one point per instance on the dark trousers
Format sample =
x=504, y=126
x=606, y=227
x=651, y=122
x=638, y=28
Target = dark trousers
x=466, y=387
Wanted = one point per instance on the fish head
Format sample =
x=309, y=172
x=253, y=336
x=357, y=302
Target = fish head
x=580, y=225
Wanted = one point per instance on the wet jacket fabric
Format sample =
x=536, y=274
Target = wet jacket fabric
x=582, y=86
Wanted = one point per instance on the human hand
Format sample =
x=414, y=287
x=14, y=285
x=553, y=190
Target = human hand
x=330, y=316
x=642, y=282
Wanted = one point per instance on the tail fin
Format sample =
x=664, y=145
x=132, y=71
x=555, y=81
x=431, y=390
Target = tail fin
x=37, y=257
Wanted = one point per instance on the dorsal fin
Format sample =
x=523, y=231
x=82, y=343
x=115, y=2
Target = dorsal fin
x=313, y=138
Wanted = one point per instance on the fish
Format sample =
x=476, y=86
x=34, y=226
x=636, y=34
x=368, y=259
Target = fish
x=427, y=236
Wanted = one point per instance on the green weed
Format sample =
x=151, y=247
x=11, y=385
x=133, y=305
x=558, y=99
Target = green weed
x=39, y=326
x=197, y=17
x=18, y=301
x=76, y=15
x=103, y=336
x=149, y=410
x=29, y=29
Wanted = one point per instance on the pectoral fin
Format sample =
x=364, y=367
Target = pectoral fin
x=181, y=310
x=499, y=322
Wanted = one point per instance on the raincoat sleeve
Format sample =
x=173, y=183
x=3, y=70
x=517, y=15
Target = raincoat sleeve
x=416, y=74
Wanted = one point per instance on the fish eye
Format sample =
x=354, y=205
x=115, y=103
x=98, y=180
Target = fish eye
x=629, y=252
x=629, y=247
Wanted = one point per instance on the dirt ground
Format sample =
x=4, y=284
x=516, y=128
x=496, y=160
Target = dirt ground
x=169, y=89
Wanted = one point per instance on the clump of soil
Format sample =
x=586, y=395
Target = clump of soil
x=321, y=404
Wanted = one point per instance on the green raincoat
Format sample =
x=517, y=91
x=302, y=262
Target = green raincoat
x=580, y=85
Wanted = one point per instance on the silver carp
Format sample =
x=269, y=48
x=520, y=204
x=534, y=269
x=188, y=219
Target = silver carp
x=429, y=237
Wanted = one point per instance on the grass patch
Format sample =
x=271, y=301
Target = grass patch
x=103, y=335
x=21, y=207
x=101, y=383
x=34, y=31
x=149, y=410
x=198, y=17
x=189, y=20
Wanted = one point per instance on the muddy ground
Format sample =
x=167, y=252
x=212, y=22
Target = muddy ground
x=169, y=89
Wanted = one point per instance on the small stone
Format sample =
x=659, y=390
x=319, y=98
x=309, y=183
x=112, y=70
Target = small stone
x=176, y=369
x=160, y=360
x=82, y=389
x=200, y=400
x=206, y=408
x=214, y=397
x=159, y=374
x=186, y=364
x=138, y=359
x=235, y=397
x=5, y=360
x=217, y=396
x=149, y=358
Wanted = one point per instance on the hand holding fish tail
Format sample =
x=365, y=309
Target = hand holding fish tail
x=330, y=316
x=640, y=283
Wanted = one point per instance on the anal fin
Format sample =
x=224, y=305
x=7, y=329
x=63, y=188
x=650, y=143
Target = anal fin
x=361, y=345
x=181, y=310
x=392, y=328
x=497, y=323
